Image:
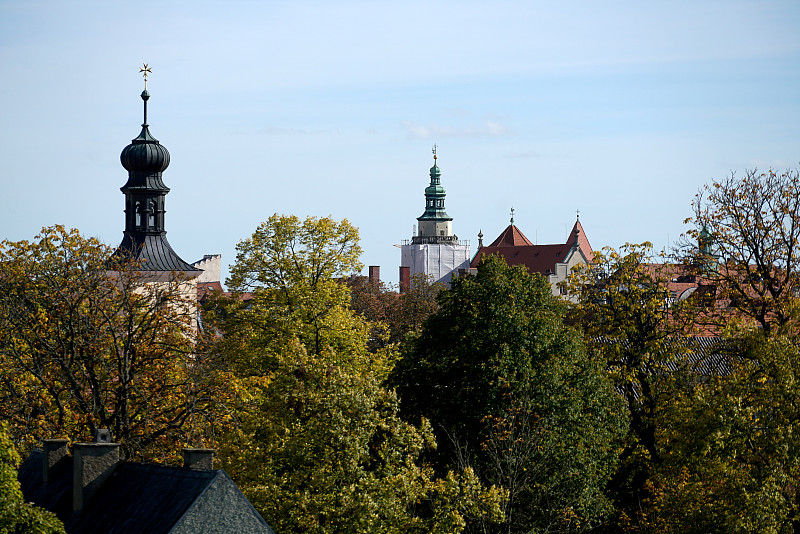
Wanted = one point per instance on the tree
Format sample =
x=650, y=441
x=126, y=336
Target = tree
x=622, y=306
x=290, y=270
x=326, y=451
x=87, y=343
x=752, y=224
x=509, y=388
x=733, y=463
x=17, y=516
x=322, y=447
x=634, y=328
x=395, y=315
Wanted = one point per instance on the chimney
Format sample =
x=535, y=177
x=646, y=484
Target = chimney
x=374, y=273
x=198, y=459
x=92, y=464
x=55, y=451
x=405, y=279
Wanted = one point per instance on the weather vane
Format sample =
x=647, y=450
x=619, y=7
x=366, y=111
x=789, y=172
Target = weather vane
x=512, y=215
x=578, y=214
x=145, y=69
x=434, y=151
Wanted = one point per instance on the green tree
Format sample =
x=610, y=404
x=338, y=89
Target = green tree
x=733, y=462
x=86, y=343
x=287, y=281
x=322, y=448
x=326, y=451
x=17, y=516
x=509, y=388
x=635, y=330
x=752, y=227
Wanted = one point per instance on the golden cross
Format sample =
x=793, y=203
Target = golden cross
x=146, y=70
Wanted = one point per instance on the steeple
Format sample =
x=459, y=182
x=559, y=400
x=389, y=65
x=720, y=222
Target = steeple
x=709, y=260
x=145, y=236
x=434, y=224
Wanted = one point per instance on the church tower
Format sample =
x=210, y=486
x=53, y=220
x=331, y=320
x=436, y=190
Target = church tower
x=434, y=251
x=435, y=226
x=145, y=236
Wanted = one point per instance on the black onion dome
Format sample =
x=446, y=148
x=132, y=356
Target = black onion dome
x=145, y=153
x=145, y=156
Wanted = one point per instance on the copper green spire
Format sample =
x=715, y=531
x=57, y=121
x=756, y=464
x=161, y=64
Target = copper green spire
x=434, y=195
x=435, y=225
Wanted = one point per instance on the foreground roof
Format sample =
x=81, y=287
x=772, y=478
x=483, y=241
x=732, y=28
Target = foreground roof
x=142, y=497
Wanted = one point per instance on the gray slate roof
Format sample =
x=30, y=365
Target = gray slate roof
x=148, y=498
x=155, y=254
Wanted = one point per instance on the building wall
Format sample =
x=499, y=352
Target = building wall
x=562, y=270
x=211, y=264
x=435, y=228
x=436, y=261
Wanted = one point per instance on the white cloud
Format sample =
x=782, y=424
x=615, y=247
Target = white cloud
x=486, y=129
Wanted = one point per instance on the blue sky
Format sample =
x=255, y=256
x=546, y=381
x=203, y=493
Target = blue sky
x=620, y=109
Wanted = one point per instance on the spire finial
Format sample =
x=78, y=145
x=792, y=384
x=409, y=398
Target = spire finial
x=145, y=70
x=512, y=216
x=578, y=215
x=434, y=152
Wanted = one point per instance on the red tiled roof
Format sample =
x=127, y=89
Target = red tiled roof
x=204, y=289
x=511, y=237
x=518, y=250
x=537, y=258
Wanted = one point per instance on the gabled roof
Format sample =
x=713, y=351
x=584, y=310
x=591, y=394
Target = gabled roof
x=582, y=240
x=537, y=258
x=517, y=249
x=139, y=497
